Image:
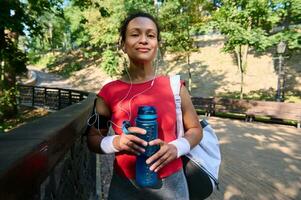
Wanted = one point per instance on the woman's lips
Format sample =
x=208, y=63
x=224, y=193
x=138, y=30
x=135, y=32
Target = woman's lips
x=144, y=50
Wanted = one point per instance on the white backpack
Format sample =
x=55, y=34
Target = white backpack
x=206, y=155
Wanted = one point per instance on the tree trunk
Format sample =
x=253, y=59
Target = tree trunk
x=9, y=76
x=241, y=96
x=1, y=72
x=4, y=9
x=2, y=47
x=241, y=53
x=244, y=59
x=9, y=62
x=244, y=63
x=240, y=67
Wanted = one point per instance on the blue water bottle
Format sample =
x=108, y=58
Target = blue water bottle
x=147, y=119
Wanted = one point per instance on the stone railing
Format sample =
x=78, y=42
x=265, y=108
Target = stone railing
x=48, y=158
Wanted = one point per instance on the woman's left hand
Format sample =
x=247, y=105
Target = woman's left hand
x=166, y=154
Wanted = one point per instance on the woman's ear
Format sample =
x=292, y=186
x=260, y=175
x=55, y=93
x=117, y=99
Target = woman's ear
x=122, y=47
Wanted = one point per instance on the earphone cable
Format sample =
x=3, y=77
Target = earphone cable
x=129, y=112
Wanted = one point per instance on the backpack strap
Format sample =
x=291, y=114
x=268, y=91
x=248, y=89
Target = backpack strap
x=175, y=85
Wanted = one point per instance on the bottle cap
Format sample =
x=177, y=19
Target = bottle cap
x=147, y=112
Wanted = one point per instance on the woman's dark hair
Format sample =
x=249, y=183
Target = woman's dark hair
x=130, y=17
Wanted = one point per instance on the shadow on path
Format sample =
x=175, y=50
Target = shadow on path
x=259, y=161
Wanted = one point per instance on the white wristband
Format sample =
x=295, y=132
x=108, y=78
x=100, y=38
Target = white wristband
x=182, y=145
x=106, y=144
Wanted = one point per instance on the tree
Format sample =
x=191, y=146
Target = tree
x=75, y=20
x=288, y=27
x=15, y=18
x=179, y=19
x=246, y=24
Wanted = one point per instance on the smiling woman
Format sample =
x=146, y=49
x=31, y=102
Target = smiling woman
x=140, y=37
x=141, y=41
x=119, y=101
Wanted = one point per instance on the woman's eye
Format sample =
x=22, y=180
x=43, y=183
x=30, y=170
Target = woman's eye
x=151, y=36
x=134, y=35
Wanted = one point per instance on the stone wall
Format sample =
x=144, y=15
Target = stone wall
x=74, y=177
x=48, y=158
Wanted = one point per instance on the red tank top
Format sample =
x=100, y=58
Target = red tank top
x=124, y=106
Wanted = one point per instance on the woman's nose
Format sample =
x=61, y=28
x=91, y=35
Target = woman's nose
x=143, y=39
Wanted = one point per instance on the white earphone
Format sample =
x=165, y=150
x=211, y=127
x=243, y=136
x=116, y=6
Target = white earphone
x=129, y=111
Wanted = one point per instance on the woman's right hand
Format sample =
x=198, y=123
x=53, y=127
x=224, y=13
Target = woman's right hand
x=129, y=142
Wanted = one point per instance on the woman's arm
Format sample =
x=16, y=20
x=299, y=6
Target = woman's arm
x=192, y=127
x=128, y=143
x=95, y=136
x=193, y=134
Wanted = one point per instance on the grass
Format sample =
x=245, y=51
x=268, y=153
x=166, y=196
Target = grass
x=65, y=63
x=42, y=60
x=264, y=95
x=25, y=115
x=240, y=116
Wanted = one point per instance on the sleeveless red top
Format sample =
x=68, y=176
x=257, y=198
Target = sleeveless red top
x=124, y=102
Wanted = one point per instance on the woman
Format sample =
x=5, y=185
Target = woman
x=119, y=101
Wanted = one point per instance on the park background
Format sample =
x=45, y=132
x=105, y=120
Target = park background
x=221, y=48
x=212, y=44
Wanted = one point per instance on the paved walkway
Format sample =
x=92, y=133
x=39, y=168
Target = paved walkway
x=51, y=80
x=259, y=161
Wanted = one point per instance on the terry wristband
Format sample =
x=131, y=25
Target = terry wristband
x=107, y=146
x=182, y=145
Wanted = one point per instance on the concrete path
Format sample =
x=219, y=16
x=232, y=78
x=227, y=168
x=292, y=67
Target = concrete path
x=51, y=80
x=45, y=79
x=259, y=161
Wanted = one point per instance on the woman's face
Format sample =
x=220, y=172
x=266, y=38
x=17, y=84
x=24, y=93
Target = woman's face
x=141, y=40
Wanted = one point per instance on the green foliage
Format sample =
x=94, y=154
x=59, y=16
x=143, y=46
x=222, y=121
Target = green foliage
x=93, y=24
x=45, y=60
x=293, y=96
x=16, y=61
x=16, y=19
x=110, y=62
x=176, y=24
x=267, y=95
x=264, y=95
x=33, y=57
x=180, y=20
x=144, y=5
x=102, y=22
x=8, y=103
x=78, y=35
x=70, y=68
x=255, y=22
x=245, y=23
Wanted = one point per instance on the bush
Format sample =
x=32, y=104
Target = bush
x=110, y=62
x=264, y=95
x=70, y=68
x=8, y=104
x=45, y=60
